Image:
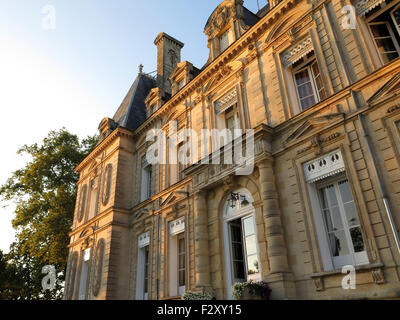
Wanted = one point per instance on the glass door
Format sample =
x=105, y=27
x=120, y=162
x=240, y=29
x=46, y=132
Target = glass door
x=342, y=225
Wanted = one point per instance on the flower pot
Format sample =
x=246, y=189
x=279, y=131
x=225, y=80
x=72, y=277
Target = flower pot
x=250, y=296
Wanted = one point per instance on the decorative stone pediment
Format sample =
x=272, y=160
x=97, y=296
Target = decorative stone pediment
x=310, y=125
x=365, y=6
x=389, y=89
x=219, y=18
x=174, y=197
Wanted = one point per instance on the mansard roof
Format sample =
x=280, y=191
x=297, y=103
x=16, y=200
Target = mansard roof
x=132, y=112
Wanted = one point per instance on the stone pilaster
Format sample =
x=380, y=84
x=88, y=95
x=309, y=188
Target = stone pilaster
x=279, y=277
x=202, y=259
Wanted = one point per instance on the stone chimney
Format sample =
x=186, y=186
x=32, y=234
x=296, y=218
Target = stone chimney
x=168, y=56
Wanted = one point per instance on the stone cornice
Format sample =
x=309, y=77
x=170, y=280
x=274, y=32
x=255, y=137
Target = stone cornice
x=119, y=132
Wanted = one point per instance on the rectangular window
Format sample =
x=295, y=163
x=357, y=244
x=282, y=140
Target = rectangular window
x=385, y=41
x=177, y=258
x=224, y=42
x=147, y=172
x=342, y=226
x=308, y=81
x=383, y=22
x=181, y=261
x=143, y=267
x=244, y=253
x=146, y=272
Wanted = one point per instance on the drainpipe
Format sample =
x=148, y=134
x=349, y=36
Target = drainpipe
x=380, y=185
x=158, y=256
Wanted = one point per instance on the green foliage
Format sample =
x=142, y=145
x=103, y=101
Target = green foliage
x=44, y=192
x=197, y=296
x=260, y=289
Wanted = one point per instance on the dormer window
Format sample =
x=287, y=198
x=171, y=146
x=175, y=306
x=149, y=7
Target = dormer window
x=224, y=41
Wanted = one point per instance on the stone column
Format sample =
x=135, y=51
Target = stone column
x=202, y=258
x=277, y=253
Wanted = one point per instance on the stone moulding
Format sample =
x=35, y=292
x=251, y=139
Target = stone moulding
x=144, y=239
x=364, y=6
x=177, y=226
x=295, y=53
x=324, y=167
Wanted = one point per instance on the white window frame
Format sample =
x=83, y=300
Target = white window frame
x=146, y=180
x=242, y=213
x=174, y=234
x=307, y=65
x=143, y=245
x=393, y=18
x=329, y=262
x=84, y=276
x=391, y=35
x=94, y=189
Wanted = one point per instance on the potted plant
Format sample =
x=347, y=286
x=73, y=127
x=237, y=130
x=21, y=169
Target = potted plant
x=251, y=290
x=197, y=296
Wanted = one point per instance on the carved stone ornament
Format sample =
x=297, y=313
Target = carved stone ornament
x=319, y=284
x=218, y=20
x=378, y=276
x=144, y=239
x=298, y=51
x=324, y=167
x=365, y=6
x=177, y=226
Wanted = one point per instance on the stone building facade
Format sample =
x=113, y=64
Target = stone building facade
x=318, y=82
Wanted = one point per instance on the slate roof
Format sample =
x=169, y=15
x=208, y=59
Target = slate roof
x=132, y=112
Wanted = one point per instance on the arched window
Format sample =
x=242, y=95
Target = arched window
x=107, y=184
x=240, y=239
x=82, y=202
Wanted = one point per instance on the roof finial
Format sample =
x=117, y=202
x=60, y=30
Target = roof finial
x=141, y=69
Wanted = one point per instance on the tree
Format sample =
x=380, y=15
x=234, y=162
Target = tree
x=44, y=192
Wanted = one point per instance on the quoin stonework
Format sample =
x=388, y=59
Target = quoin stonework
x=317, y=86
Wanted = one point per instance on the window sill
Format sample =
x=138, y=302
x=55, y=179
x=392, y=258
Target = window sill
x=374, y=268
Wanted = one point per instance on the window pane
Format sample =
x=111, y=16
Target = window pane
x=356, y=237
x=307, y=102
x=237, y=251
x=385, y=45
x=252, y=264
x=345, y=191
x=251, y=245
x=351, y=214
x=248, y=225
x=380, y=30
x=338, y=243
x=302, y=77
x=305, y=90
x=238, y=270
x=387, y=57
x=224, y=41
x=182, y=278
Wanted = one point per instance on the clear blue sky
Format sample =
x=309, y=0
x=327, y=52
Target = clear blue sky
x=78, y=73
